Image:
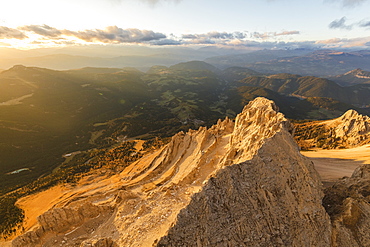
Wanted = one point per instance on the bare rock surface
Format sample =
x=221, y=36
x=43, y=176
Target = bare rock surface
x=349, y=130
x=348, y=204
x=60, y=225
x=238, y=183
x=274, y=199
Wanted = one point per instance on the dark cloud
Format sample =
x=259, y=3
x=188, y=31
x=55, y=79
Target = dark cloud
x=347, y=3
x=190, y=36
x=340, y=24
x=165, y=42
x=111, y=34
x=364, y=24
x=215, y=36
x=114, y=34
x=43, y=30
x=224, y=35
x=11, y=33
x=233, y=38
x=352, y=3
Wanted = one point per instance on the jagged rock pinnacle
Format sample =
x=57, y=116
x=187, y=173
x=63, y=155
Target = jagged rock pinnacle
x=241, y=183
x=352, y=126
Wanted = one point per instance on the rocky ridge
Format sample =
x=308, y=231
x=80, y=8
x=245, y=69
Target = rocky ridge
x=349, y=130
x=241, y=183
x=353, y=77
x=359, y=73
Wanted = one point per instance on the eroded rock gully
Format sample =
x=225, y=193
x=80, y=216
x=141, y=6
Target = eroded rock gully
x=238, y=183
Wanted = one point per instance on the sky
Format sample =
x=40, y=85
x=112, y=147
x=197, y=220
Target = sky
x=257, y=24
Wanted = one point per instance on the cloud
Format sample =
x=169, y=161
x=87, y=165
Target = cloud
x=329, y=41
x=264, y=35
x=111, y=34
x=267, y=35
x=364, y=23
x=352, y=3
x=348, y=3
x=244, y=40
x=165, y=42
x=11, y=33
x=340, y=24
x=287, y=33
x=149, y=2
x=357, y=43
x=154, y=2
x=43, y=30
x=114, y=34
x=215, y=36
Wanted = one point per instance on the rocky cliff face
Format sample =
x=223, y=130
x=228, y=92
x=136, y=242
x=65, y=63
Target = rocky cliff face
x=350, y=125
x=274, y=199
x=349, y=130
x=241, y=183
x=348, y=203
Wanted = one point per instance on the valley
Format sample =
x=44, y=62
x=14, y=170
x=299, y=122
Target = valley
x=48, y=113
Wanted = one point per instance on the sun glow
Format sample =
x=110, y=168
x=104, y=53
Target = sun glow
x=35, y=41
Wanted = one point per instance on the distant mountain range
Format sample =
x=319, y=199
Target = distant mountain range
x=303, y=62
x=322, y=63
x=318, y=63
x=353, y=77
x=76, y=57
x=310, y=86
x=246, y=59
x=47, y=113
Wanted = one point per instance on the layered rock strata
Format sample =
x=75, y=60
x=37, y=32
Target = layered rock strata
x=238, y=183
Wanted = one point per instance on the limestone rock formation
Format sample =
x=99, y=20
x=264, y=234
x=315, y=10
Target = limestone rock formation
x=349, y=130
x=59, y=221
x=348, y=203
x=238, y=183
x=351, y=125
x=274, y=199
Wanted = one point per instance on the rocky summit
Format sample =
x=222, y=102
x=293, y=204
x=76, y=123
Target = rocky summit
x=238, y=183
x=347, y=131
